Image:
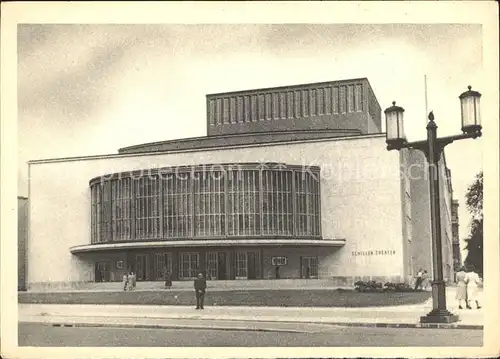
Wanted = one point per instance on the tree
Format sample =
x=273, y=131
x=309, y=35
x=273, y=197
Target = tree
x=474, y=197
x=474, y=204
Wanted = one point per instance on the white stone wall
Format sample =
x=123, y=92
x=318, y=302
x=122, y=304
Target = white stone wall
x=22, y=206
x=360, y=202
x=419, y=248
x=446, y=223
x=420, y=245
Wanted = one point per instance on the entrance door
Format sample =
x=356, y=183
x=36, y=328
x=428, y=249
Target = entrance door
x=141, y=266
x=309, y=267
x=162, y=261
x=241, y=265
x=102, y=271
x=221, y=266
x=212, y=261
x=252, y=272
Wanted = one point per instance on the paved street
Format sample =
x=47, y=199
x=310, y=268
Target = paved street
x=46, y=335
x=163, y=325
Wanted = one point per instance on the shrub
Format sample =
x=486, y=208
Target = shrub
x=369, y=286
x=398, y=287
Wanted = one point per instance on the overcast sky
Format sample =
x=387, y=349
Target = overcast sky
x=91, y=89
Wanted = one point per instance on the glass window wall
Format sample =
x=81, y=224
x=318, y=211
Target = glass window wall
x=209, y=203
x=177, y=206
x=147, y=213
x=248, y=200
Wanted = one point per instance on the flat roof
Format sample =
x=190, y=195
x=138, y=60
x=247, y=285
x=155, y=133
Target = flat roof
x=243, y=139
x=125, y=155
x=292, y=87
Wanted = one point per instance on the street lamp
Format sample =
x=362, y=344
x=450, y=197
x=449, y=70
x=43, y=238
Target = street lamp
x=432, y=148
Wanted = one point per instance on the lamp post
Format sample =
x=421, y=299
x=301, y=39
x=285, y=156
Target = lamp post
x=432, y=148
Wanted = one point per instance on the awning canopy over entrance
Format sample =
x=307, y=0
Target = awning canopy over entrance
x=210, y=243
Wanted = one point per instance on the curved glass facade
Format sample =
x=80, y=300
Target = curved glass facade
x=210, y=201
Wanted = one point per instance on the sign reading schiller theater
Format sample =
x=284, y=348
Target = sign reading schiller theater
x=374, y=253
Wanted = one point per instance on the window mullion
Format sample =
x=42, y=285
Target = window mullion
x=295, y=215
x=160, y=206
x=237, y=194
x=243, y=203
x=228, y=203
x=306, y=201
x=193, y=199
x=133, y=207
x=281, y=202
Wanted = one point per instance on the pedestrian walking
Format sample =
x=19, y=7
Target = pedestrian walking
x=125, y=281
x=418, y=280
x=131, y=280
x=168, y=278
x=134, y=280
x=473, y=283
x=461, y=295
x=425, y=280
x=200, y=287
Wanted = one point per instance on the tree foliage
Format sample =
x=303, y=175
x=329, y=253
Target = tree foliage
x=474, y=203
x=474, y=197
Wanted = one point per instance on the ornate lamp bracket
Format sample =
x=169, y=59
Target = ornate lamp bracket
x=424, y=147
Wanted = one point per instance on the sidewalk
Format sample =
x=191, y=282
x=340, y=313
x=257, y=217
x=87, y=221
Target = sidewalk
x=158, y=316
x=267, y=284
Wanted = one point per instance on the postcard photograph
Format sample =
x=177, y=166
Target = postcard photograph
x=227, y=183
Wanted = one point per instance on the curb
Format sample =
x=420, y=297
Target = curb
x=415, y=325
x=163, y=326
x=359, y=324
x=205, y=327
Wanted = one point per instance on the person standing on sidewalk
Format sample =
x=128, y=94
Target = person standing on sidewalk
x=425, y=280
x=131, y=280
x=134, y=280
x=473, y=282
x=418, y=281
x=200, y=286
x=125, y=281
x=461, y=295
x=168, y=278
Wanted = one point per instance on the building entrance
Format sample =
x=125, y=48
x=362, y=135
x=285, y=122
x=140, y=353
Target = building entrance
x=241, y=265
x=141, y=266
x=246, y=265
x=223, y=265
x=216, y=265
x=251, y=265
x=309, y=267
x=162, y=262
x=102, y=271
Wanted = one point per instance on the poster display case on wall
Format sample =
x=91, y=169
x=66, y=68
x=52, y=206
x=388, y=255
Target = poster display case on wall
x=279, y=261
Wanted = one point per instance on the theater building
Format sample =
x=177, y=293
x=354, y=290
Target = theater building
x=290, y=183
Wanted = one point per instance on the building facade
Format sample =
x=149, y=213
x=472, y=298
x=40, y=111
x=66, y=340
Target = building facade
x=457, y=253
x=291, y=182
x=22, y=227
x=446, y=195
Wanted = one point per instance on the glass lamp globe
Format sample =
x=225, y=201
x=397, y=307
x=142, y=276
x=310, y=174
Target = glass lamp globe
x=394, y=125
x=471, y=115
